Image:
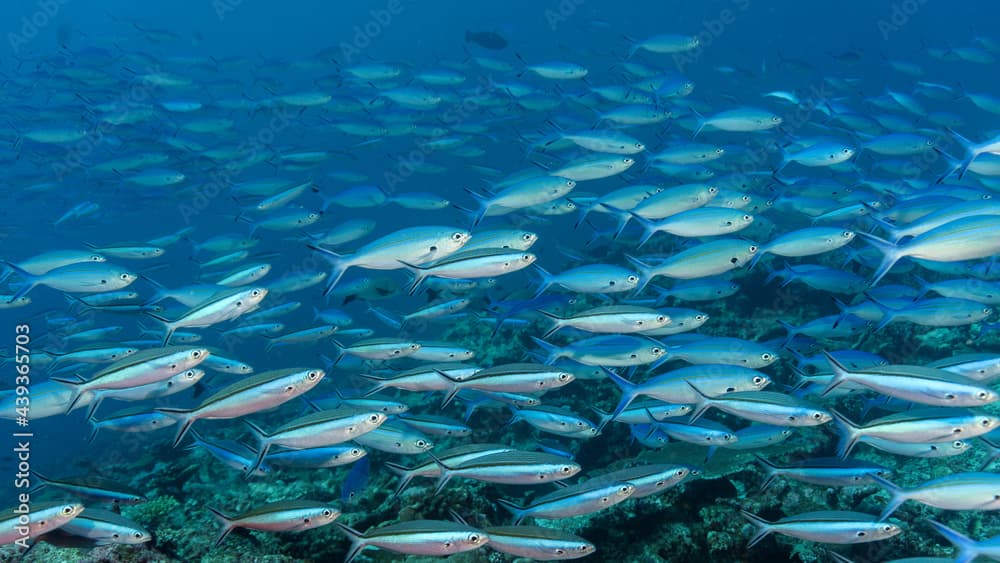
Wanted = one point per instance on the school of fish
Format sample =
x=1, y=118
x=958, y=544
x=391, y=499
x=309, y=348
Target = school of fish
x=544, y=277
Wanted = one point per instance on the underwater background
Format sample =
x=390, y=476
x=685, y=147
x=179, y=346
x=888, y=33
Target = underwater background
x=286, y=140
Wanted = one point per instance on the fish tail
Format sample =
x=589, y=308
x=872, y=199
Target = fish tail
x=756, y=258
x=558, y=322
x=623, y=219
x=379, y=383
x=552, y=351
x=890, y=255
x=547, y=279
x=888, y=313
x=764, y=528
x=701, y=122
x=842, y=307
x=851, y=433
x=185, y=420
x=75, y=385
x=628, y=395
x=840, y=374
x=419, y=275
x=769, y=468
x=93, y=429
x=452, y=392
x=339, y=267
x=405, y=476
x=32, y=280
x=645, y=273
x=517, y=511
x=970, y=151
x=263, y=445
x=357, y=541
x=484, y=206
x=924, y=287
x=773, y=274
x=340, y=353
x=886, y=226
x=704, y=402
x=897, y=496
x=791, y=330
x=42, y=481
x=446, y=474
x=226, y=521
x=584, y=211
x=967, y=548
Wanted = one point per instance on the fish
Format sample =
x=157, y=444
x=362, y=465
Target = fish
x=91, y=488
x=417, y=537
x=825, y=526
x=262, y=391
x=323, y=428
x=958, y=491
x=918, y=384
x=510, y=467
x=142, y=368
x=488, y=39
x=572, y=500
x=538, y=543
x=281, y=516
x=43, y=517
x=415, y=245
x=222, y=306
x=102, y=527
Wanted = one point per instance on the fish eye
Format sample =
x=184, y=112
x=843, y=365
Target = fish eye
x=775, y=118
x=125, y=276
x=255, y=292
x=137, y=535
x=748, y=217
x=312, y=375
x=563, y=376
x=817, y=415
x=661, y=319
x=566, y=469
x=633, y=279
x=848, y=234
x=958, y=444
x=526, y=257
x=457, y=236
x=96, y=258
x=527, y=236
x=888, y=528
x=373, y=419
x=656, y=351
x=767, y=356
x=757, y=380
x=713, y=190
x=753, y=248
x=196, y=354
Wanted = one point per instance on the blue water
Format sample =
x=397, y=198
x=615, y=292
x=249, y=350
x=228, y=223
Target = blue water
x=62, y=59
